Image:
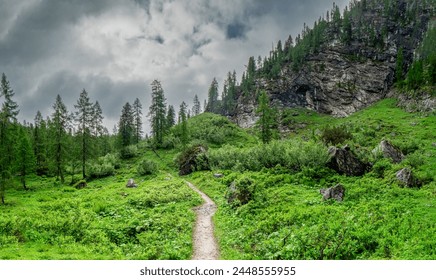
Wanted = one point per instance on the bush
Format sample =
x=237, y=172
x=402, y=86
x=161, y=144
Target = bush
x=128, y=152
x=335, y=135
x=194, y=158
x=147, y=167
x=380, y=167
x=241, y=191
x=294, y=155
x=100, y=170
x=103, y=167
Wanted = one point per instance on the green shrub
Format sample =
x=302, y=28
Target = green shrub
x=100, y=170
x=335, y=135
x=147, y=167
x=128, y=152
x=241, y=191
x=193, y=158
x=294, y=155
x=170, y=142
x=380, y=167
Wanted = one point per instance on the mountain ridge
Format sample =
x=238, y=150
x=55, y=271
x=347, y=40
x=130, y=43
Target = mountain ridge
x=345, y=63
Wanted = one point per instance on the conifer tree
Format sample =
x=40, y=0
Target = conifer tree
x=126, y=127
x=183, y=123
x=196, y=109
x=171, y=116
x=60, y=122
x=157, y=112
x=84, y=118
x=137, y=120
x=25, y=159
x=8, y=119
x=266, y=122
x=212, y=102
x=40, y=144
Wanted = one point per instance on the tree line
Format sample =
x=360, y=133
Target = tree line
x=68, y=142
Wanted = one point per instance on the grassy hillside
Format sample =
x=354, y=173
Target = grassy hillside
x=286, y=218
x=282, y=216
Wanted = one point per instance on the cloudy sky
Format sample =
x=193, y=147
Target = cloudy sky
x=115, y=49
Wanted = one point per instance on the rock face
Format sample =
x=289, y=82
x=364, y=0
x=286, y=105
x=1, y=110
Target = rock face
x=390, y=152
x=345, y=162
x=341, y=78
x=406, y=178
x=131, y=184
x=337, y=192
x=421, y=103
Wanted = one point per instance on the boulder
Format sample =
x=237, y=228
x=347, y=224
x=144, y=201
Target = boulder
x=131, y=184
x=337, y=192
x=193, y=159
x=406, y=178
x=218, y=175
x=390, y=151
x=345, y=162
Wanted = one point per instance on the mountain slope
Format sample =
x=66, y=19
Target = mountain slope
x=345, y=63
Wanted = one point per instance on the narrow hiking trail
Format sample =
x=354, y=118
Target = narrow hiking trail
x=204, y=243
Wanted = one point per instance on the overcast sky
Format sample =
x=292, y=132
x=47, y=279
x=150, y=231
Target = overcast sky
x=115, y=49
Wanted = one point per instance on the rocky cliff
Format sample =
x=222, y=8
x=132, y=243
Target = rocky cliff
x=344, y=76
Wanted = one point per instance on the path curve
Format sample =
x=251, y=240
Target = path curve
x=204, y=243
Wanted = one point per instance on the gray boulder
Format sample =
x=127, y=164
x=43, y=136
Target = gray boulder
x=218, y=175
x=406, y=178
x=390, y=151
x=131, y=184
x=337, y=192
x=345, y=162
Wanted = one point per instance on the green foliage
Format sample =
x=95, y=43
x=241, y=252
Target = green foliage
x=128, y=152
x=293, y=155
x=105, y=221
x=267, y=123
x=335, y=135
x=212, y=99
x=157, y=113
x=380, y=167
x=147, y=167
x=216, y=130
x=422, y=72
x=193, y=158
x=241, y=191
x=100, y=170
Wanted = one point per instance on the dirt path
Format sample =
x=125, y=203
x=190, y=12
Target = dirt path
x=205, y=246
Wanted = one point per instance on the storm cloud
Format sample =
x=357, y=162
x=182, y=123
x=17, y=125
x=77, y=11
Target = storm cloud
x=115, y=49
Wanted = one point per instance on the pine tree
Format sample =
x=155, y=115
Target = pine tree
x=266, y=122
x=137, y=120
x=157, y=112
x=84, y=118
x=25, y=159
x=60, y=121
x=196, y=109
x=171, y=116
x=212, y=102
x=126, y=127
x=40, y=144
x=183, y=123
x=8, y=119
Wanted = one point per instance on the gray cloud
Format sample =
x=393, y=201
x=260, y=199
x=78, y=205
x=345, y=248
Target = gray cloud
x=115, y=49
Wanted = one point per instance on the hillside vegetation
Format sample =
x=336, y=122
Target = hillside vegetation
x=279, y=213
